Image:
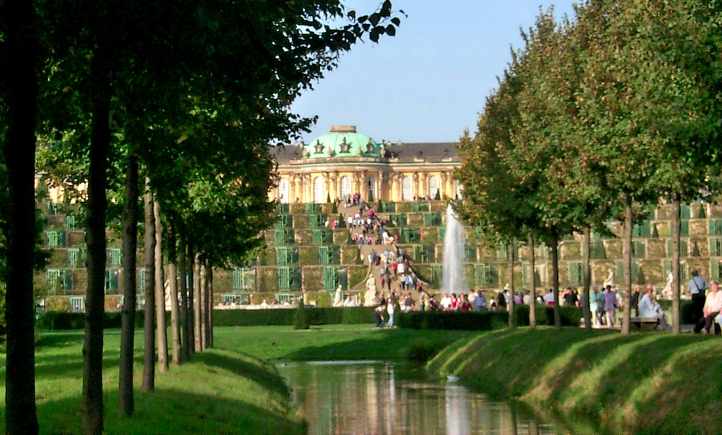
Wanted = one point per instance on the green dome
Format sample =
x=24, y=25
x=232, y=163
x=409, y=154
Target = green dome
x=342, y=141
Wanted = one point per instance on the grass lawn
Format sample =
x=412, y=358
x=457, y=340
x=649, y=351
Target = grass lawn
x=332, y=342
x=220, y=391
x=641, y=383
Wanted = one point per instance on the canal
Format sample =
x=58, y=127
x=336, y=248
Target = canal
x=376, y=397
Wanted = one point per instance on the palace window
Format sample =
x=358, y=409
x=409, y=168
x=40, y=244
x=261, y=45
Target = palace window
x=345, y=187
x=407, y=189
x=283, y=190
x=435, y=187
x=319, y=190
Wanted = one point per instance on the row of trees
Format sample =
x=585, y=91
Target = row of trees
x=174, y=105
x=599, y=117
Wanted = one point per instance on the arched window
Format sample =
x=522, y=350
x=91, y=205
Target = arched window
x=434, y=186
x=407, y=189
x=319, y=190
x=283, y=190
x=345, y=187
x=371, y=188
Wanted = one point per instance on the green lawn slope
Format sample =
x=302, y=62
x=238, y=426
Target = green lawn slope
x=219, y=391
x=600, y=381
x=333, y=342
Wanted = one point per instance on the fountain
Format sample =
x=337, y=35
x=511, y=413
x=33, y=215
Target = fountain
x=453, y=267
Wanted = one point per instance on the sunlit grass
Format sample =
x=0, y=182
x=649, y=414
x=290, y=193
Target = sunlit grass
x=219, y=391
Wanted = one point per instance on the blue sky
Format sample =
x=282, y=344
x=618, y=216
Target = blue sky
x=428, y=83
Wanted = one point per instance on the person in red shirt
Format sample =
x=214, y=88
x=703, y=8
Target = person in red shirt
x=454, y=303
x=465, y=305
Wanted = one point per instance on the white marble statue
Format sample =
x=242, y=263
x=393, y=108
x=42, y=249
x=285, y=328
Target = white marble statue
x=338, y=297
x=667, y=290
x=370, y=295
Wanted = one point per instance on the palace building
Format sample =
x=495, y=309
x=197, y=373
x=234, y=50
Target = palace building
x=310, y=252
x=343, y=162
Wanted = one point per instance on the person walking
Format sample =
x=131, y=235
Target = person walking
x=697, y=286
x=610, y=305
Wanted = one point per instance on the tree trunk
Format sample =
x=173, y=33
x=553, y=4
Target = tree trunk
x=532, y=294
x=676, y=323
x=175, y=332
x=130, y=248
x=197, y=304
x=510, y=305
x=191, y=298
x=160, y=324
x=210, y=306
x=149, y=257
x=587, y=278
x=627, y=254
x=184, y=310
x=555, y=280
x=202, y=304
x=92, y=404
x=22, y=93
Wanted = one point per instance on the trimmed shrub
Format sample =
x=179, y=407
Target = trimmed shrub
x=300, y=321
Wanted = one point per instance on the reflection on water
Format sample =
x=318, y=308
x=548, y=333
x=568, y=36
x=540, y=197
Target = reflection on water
x=383, y=398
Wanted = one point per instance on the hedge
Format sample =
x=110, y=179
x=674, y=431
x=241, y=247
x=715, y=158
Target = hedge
x=59, y=320
x=314, y=316
x=486, y=320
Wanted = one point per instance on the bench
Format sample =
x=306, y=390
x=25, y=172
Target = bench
x=644, y=323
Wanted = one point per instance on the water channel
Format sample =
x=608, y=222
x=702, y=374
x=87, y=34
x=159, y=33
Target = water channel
x=357, y=397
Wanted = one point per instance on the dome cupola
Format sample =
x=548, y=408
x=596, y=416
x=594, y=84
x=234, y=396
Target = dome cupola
x=342, y=141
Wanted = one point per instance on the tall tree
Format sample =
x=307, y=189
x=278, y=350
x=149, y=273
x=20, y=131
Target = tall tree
x=149, y=291
x=173, y=290
x=130, y=246
x=19, y=88
x=161, y=329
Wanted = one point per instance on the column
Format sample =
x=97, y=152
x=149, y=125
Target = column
x=338, y=184
x=444, y=193
x=364, y=187
x=449, y=185
x=327, y=185
x=424, y=184
x=307, y=188
x=355, y=188
x=415, y=185
x=379, y=185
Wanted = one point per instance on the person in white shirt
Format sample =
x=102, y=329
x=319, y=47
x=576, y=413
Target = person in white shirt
x=479, y=301
x=549, y=297
x=445, y=302
x=712, y=309
x=649, y=308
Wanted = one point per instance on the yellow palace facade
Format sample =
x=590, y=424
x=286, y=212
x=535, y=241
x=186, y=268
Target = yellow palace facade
x=344, y=162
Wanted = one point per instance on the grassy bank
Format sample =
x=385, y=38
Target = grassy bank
x=334, y=342
x=220, y=391
x=642, y=383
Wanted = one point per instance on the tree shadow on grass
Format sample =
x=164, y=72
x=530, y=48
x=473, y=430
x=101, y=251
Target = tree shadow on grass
x=617, y=382
x=673, y=404
x=171, y=411
x=268, y=379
